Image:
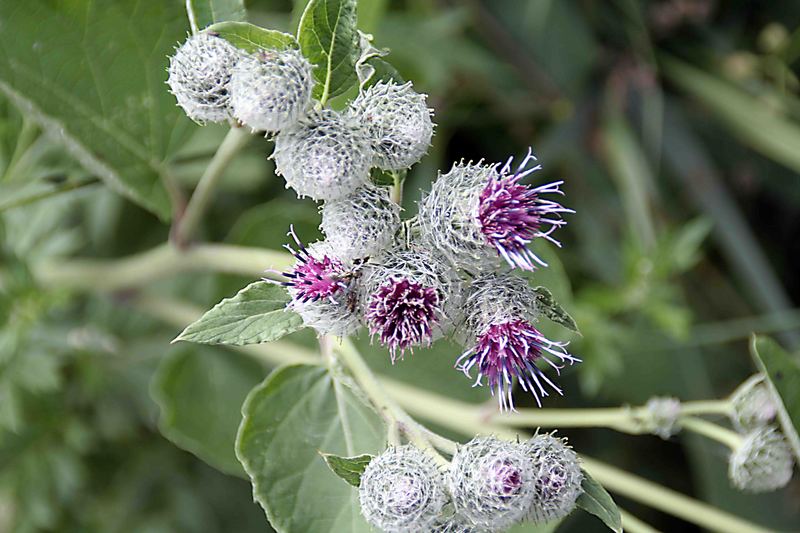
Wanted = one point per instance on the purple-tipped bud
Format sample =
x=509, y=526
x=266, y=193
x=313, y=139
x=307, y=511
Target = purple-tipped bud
x=408, y=299
x=403, y=314
x=479, y=214
x=557, y=479
x=322, y=288
x=504, y=346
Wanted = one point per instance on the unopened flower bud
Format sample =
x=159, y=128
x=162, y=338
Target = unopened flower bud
x=753, y=405
x=361, y=224
x=324, y=156
x=271, y=89
x=401, y=490
x=763, y=462
x=200, y=74
x=664, y=413
x=492, y=482
x=479, y=214
x=398, y=124
x=558, y=478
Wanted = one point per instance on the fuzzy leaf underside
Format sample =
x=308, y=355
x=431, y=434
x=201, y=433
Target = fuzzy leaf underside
x=595, y=500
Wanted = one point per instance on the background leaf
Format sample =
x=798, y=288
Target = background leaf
x=203, y=13
x=200, y=392
x=597, y=501
x=251, y=38
x=783, y=377
x=92, y=74
x=329, y=39
x=348, y=468
x=256, y=314
x=296, y=412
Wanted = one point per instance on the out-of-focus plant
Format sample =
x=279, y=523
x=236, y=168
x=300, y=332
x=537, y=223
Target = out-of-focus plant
x=658, y=114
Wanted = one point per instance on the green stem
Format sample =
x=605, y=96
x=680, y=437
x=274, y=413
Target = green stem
x=729, y=438
x=234, y=141
x=157, y=263
x=397, y=188
x=634, y=525
x=58, y=189
x=382, y=402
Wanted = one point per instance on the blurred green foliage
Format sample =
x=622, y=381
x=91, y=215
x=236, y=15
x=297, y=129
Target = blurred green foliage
x=675, y=123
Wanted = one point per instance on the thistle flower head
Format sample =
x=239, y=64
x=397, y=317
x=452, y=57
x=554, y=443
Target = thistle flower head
x=763, y=462
x=664, y=413
x=753, y=405
x=503, y=344
x=455, y=524
x=200, y=74
x=323, y=156
x=322, y=288
x=478, y=214
x=271, y=90
x=401, y=490
x=397, y=121
x=557, y=478
x=408, y=296
x=361, y=224
x=492, y=482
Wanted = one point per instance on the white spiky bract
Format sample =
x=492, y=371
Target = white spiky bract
x=329, y=316
x=401, y=490
x=491, y=482
x=324, y=156
x=763, y=462
x=456, y=524
x=200, y=74
x=664, y=413
x=397, y=121
x=448, y=217
x=271, y=89
x=558, y=478
x=495, y=298
x=361, y=224
x=753, y=405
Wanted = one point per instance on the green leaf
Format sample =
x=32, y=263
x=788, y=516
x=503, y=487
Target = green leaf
x=595, y=500
x=200, y=393
x=256, y=314
x=549, y=307
x=783, y=377
x=92, y=74
x=527, y=527
x=203, y=13
x=251, y=38
x=751, y=119
x=329, y=39
x=348, y=468
x=297, y=411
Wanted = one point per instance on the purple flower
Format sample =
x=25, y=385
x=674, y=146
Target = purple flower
x=403, y=313
x=510, y=350
x=313, y=278
x=511, y=214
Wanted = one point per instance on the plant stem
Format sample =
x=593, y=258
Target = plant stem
x=633, y=525
x=713, y=431
x=397, y=188
x=157, y=263
x=384, y=404
x=234, y=141
x=57, y=189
